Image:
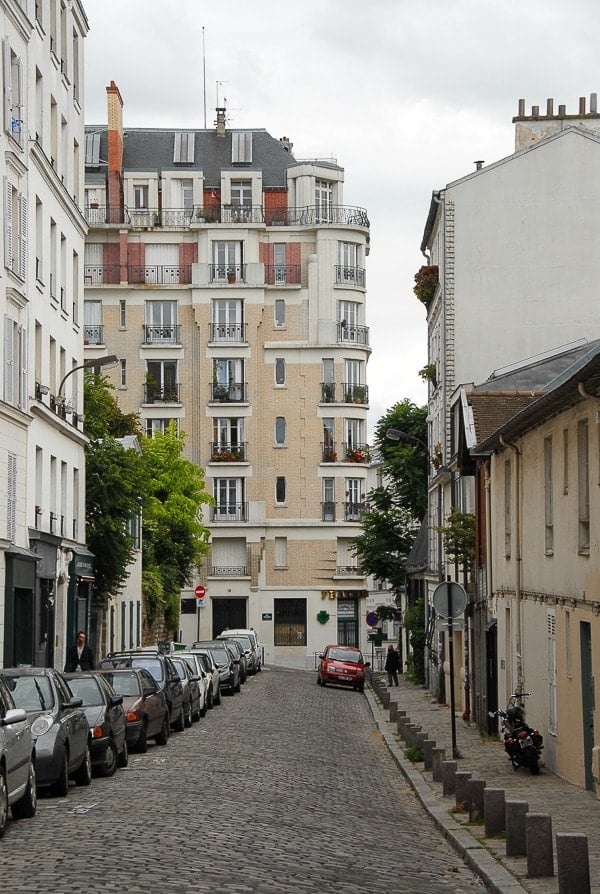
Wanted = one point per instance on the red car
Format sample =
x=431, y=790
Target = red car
x=342, y=665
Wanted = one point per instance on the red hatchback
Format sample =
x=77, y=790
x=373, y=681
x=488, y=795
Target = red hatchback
x=342, y=665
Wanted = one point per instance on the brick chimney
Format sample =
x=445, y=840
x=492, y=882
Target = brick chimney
x=532, y=128
x=115, y=148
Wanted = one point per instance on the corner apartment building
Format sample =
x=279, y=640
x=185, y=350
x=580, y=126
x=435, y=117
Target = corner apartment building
x=229, y=278
x=45, y=568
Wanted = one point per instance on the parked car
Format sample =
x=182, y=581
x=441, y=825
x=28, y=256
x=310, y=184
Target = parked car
x=145, y=706
x=343, y=665
x=201, y=661
x=226, y=661
x=106, y=719
x=247, y=646
x=162, y=669
x=17, y=761
x=194, y=696
x=58, y=724
x=238, y=650
x=249, y=638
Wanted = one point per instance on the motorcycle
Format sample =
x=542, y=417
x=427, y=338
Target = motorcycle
x=522, y=743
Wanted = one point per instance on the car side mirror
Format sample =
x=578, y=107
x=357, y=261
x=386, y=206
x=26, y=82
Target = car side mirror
x=72, y=703
x=14, y=715
x=116, y=700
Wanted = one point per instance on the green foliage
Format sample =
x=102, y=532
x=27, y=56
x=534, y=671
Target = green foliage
x=414, y=622
x=426, y=280
x=459, y=539
x=386, y=612
x=406, y=462
x=414, y=755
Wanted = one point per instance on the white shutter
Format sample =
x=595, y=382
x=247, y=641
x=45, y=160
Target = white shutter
x=92, y=149
x=23, y=368
x=11, y=498
x=8, y=359
x=6, y=88
x=23, y=237
x=8, y=245
x=19, y=111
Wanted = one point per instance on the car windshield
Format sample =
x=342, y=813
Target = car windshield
x=87, y=689
x=220, y=654
x=190, y=661
x=244, y=641
x=180, y=670
x=32, y=693
x=151, y=664
x=123, y=683
x=345, y=655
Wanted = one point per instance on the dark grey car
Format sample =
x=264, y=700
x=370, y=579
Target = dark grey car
x=162, y=669
x=227, y=663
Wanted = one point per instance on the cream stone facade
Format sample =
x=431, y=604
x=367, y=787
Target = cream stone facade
x=229, y=278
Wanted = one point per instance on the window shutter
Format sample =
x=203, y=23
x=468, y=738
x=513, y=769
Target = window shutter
x=183, y=147
x=92, y=150
x=19, y=111
x=11, y=498
x=23, y=237
x=241, y=147
x=6, y=89
x=23, y=368
x=8, y=244
x=8, y=359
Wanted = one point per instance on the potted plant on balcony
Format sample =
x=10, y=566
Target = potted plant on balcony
x=230, y=275
x=426, y=281
x=328, y=392
x=329, y=455
x=437, y=457
x=429, y=374
x=359, y=394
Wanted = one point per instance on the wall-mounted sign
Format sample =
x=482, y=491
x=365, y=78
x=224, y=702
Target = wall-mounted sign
x=267, y=616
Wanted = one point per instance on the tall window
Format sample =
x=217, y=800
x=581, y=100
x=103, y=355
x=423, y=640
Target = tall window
x=123, y=374
x=507, y=507
x=161, y=322
x=228, y=379
x=241, y=146
x=227, y=320
x=14, y=97
x=159, y=426
x=279, y=312
x=280, y=429
x=122, y=313
x=227, y=260
x=548, y=497
x=140, y=196
x=280, y=371
x=348, y=264
x=583, y=487
x=354, y=499
x=92, y=322
x=328, y=499
x=161, y=381
x=323, y=201
x=280, y=489
x=228, y=493
x=15, y=363
x=228, y=433
x=279, y=266
x=15, y=233
x=289, y=622
x=241, y=193
x=183, y=148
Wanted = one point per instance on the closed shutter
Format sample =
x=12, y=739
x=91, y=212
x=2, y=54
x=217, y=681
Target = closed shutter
x=23, y=368
x=9, y=328
x=23, y=237
x=6, y=88
x=8, y=234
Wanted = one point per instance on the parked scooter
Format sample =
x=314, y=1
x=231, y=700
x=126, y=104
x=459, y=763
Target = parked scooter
x=522, y=743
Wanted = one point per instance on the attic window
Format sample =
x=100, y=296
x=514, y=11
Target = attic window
x=241, y=146
x=183, y=150
x=92, y=150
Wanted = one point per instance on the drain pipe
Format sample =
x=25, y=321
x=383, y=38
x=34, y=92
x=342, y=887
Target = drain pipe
x=518, y=559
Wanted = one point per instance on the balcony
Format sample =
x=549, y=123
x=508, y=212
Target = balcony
x=227, y=274
x=354, y=511
x=230, y=512
x=229, y=571
x=227, y=453
x=57, y=405
x=282, y=274
x=162, y=335
x=160, y=275
x=232, y=333
x=329, y=452
x=352, y=334
x=93, y=334
x=234, y=392
x=328, y=393
x=312, y=215
x=328, y=511
x=355, y=394
x=357, y=453
x=242, y=214
x=101, y=274
x=350, y=276
x=156, y=394
x=349, y=571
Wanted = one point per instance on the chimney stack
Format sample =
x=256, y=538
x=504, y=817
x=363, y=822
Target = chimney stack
x=114, y=103
x=478, y=165
x=220, y=122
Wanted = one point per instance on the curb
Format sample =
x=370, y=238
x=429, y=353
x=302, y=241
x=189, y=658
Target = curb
x=497, y=879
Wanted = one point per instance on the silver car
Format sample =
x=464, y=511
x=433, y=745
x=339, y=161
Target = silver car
x=17, y=761
x=201, y=661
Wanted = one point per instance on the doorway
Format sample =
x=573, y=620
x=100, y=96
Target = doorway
x=228, y=614
x=587, y=701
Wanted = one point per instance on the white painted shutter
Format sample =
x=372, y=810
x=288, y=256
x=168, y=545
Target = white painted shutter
x=23, y=237
x=8, y=246
x=6, y=89
x=23, y=368
x=8, y=359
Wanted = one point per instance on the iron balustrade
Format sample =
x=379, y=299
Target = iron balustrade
x=355, y=394
x=177, y=218
x=350, y=332
x=229, y=571
x=328, y=511
x=93, y=334
x=282, y=274
x=348, y=569
x=101, y=274
x=328, y=452
x=311, y=215
x=227, y=453
x=242, y=214
x=229, y=332
x=234, y=392
x=161, y=393
x=160, y=274
x=229, y=512
x=98, y=215
x=354, y=511
x=227, y=273
x=350, y=276
x=162, y=334
x=356, y=453
x=328, y=393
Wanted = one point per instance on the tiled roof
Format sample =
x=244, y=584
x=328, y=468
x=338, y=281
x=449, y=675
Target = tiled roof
x=492, y=409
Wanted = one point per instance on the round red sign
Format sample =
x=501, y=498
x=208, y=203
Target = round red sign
x=200, y=592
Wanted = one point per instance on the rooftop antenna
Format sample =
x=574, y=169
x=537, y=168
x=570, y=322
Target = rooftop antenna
x=204, y=75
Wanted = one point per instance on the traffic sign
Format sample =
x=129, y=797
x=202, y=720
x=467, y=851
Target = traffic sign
x=449, y=599
x=200, y=592
x=372, y=619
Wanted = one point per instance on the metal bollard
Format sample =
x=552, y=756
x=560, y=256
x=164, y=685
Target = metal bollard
x=494, y=811
x=573, y=863
x=448, y=778
x=538, y=840
x=428, y=746
x=476, y=788
x=439, y=756
x=461, y=785
x=393, y=711
x=516, y=845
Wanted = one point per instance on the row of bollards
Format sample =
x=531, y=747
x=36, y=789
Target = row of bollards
x=527, y=834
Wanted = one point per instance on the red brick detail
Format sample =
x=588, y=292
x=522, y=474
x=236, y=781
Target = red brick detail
x=294, y=253
x=188, y=253
x=136, y=254
x=275, y=200
x=212, y=203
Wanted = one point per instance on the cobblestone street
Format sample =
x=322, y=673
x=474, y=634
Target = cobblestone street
x=286, y=787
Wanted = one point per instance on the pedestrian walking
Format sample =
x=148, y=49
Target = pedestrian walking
x=392, y=665
x=79, y=656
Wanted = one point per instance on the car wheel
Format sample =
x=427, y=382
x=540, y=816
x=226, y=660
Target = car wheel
x=360, y=688
x=124, y=756
x=26, y=806
x=162, y=737
x=187, y=719
x=142, y=742
x=60, y=788
x=238, y=688
x=318, y=680
x=111, y=760
x=84, y=773
x=3, y=802
x=217, y=698
x=179, y=724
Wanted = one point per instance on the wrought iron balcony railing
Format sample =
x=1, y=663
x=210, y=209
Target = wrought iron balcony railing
x=227, y=273
x=229, y=512
x=354, y=511
x=350, y=332
x=328, y=511
x=154, y=335
x=282, y=274
x=350, y=276
x=227, y=453
x=328, y=393
x=357, y=453
x=178, y=218
x=355, y=394
x=230, y=393
x=229, y=332
x=154, y=394
x=93, y=334
x=159, y=274
x=329, y=452
x=101, y=274
x=351, y=570
x=229, y=571
x=242, y=214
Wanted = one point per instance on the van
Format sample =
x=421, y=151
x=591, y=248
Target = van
x=248, y=639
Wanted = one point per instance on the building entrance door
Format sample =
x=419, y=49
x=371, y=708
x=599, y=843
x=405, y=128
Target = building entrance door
x=228, y=614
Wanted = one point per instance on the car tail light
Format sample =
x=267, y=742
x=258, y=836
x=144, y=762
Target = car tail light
x=132, y=716
x=97, y=732
x=511, y=741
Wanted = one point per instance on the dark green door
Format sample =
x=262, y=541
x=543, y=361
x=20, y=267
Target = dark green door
x=587, y=701
x=228, y=614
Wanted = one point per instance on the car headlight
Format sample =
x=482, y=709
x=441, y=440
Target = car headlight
x=41, y=725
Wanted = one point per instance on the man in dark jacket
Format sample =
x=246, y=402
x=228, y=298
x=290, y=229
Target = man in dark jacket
x=79, y=656
x=392, y=665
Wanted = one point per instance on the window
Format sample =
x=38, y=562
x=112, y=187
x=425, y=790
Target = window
x=349, y=328
x=161, y=381
x=14, y=97
x=507, y=509
x=323, y=201
x=123, y=374
x=566, y=461
x=289, y=622
x=354, y=499
x=328, y=499
x=15, y=363
x=161, y=322
x=227, y=261
x=241, y=193
x=280, y=429
x=280, y=371
x=280, y=552
x=241, y=147
x=228, y=493
x=228, y=380
x=92, y=150
x=329, y=454
x=552, y=719
x=159, y=426
x=348, y=270
x=228, y=439
x=279, y=265
x=140, y=196
x=583, y=487
x=92, y=323
x=15, y=230
x=183, y=148
x=227, y=320
x=122, y=313
x=280, y=489
x=548, y=497
x=279, y=312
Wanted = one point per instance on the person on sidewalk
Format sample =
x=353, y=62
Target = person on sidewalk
x=79, y=656
x=392, y=665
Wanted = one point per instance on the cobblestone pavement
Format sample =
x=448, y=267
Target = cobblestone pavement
x=571, y=808
x=286, y=787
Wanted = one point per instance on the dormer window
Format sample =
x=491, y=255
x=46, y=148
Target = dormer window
x=183, y=148
x=92, y=150
x=241, y=147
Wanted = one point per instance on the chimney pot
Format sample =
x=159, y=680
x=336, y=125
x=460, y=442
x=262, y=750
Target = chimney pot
x=549, y=107
x=535, y=111
x=562, y=111
x=594, y=103
x=521, y=108
x=478, y=165
x=582, y=105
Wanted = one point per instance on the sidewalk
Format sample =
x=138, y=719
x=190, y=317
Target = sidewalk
x=572, y=809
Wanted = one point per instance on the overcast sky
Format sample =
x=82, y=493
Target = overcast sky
x=404, y=94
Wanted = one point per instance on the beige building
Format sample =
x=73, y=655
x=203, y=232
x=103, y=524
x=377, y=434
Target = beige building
x=229, y=278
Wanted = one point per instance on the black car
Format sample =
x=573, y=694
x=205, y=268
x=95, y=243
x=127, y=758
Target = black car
x=162, y=669
x=238, y=650
x=226, y=661
x=58, y=723
x=145, y=706
x=194, y=702
x=106, y=718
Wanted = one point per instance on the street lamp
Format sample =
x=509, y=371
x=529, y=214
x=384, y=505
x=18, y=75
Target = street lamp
x=108, y=360
x=395, y=434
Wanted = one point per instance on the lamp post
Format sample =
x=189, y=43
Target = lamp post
x=395, y=434
x=108, y=360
